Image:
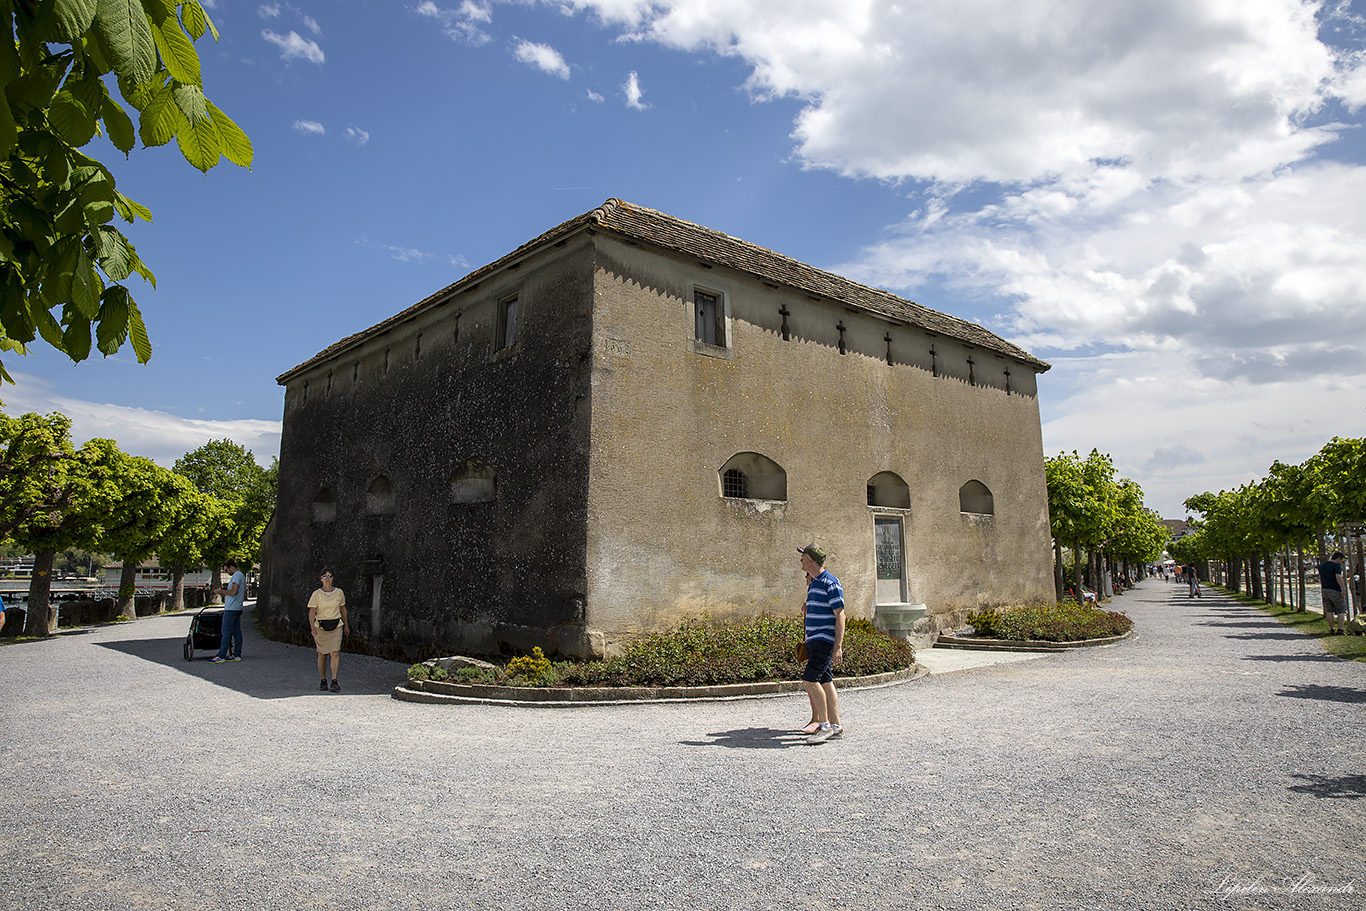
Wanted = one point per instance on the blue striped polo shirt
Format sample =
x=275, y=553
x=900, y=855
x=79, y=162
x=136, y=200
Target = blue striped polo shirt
x=824, y=596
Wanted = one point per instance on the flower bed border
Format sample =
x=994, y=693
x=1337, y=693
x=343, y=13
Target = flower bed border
x=438, y=692
x=980, y=643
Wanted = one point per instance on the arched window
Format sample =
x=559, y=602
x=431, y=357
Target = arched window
x=379, y=499
x=734, y=483
x=974, y=497
x=887, y=489
x=324, y=507
x=749, y=475
x=473, y=482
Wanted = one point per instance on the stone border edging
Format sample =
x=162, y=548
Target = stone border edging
x=443, y=692
x=975, y=643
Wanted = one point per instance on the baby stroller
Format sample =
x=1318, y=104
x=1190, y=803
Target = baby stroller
x=206, y=631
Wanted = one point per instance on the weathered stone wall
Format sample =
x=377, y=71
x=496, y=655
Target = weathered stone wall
x=428, y=563
x=668, y=414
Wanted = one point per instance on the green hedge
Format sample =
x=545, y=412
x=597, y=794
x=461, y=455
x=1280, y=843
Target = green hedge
x=706, y=652
x=1065, y=622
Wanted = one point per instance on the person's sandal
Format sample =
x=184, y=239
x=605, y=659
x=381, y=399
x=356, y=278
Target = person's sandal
x=811, y=728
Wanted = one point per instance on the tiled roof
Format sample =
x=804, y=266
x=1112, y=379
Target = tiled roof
x=642, y=224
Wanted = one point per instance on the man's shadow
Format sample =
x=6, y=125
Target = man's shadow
x=751, y=739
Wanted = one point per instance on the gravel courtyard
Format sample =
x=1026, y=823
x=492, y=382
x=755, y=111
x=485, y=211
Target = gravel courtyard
x=1214, y=760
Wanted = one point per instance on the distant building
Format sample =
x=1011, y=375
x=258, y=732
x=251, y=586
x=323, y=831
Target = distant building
x=633, y=419
x=152, y=576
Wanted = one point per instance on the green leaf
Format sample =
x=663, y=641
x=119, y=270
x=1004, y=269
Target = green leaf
x=191, y=101
x=236, y=144
x=73, y=17
x=137, y=331
x=200, y=144
x=159, y=10
x=127, y=37
x=49, y=329
x=76, y=338
x=116, y=256
x=71, y=120
x=112, y=328
x=8, y=131
x=33, y=90
x=131, y=210
x=86, y=285
x=160, y=119
x=193, y=18
x=9, y=63
x=118, y=125
x=15, y=315
x=57, y=283
x=177, y=52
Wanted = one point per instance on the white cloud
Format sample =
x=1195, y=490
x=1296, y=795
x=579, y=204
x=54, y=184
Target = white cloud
x=1155, y=180
x=595, y=97
x=358, y=136
x=1179, y=433
x=293, y=45
x=312, y=25
x=633, y=92
x=157, y=435
x=310, y=126
x=268, y=11
x=460, y=24
x=542, y=56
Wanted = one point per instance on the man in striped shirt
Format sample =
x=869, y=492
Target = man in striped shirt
x=824, y=618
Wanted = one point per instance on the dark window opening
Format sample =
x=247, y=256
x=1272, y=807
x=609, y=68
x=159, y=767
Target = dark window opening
x=507, y=323
x=734, y=483
x=711, y=318
x=975, y=497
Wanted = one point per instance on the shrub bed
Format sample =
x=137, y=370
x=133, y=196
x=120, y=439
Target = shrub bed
x=1065, y=622
x=698, y=652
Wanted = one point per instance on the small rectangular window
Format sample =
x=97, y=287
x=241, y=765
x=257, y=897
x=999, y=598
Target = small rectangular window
x=711, y=318
x=507, y=323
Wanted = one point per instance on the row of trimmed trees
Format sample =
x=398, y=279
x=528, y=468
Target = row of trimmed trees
x=1317, y=506
x=212, y=505
x=1100, y=519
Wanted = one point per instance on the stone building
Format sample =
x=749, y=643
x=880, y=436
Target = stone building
x=632, y=419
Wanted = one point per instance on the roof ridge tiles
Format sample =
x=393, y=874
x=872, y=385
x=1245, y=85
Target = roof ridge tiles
x=670, y=232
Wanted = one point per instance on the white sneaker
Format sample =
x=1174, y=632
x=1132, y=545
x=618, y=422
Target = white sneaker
x=823, y=733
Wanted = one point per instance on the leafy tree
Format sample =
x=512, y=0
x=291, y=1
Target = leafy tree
x=153, y=501
x=90, y=494
x=34, y=475
x=184, y=544
x=228, y=471
x=62, y=261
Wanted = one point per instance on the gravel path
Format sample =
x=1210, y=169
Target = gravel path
x=1214, y=760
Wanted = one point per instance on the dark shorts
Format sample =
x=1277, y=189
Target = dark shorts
x=1333, y=603
x=818, y=656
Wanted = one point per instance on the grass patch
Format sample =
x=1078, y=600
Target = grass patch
x=1064, y=622
x=1352, y=648
x=697, y=652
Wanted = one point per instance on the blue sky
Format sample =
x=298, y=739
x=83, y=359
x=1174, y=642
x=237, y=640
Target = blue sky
x=1166, y=199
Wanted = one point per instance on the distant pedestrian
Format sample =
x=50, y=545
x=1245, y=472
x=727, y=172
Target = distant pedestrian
x=1194, y=582
x=824, y=622
x=1333, y=590
x=235, y=596
x=328, y=622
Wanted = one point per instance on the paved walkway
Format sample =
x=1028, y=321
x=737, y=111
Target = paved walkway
x=1214, y=760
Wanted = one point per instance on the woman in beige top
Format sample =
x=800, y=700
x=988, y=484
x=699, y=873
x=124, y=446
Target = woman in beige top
x=328, y=623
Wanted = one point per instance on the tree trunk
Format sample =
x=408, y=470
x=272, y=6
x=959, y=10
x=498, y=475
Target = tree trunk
x=1235, y=574
x=1254, y=578
x=127, y=605
x=1076, y=572
x=178, y=587
x=41, y=619
x=1057, y=570
x=1299, y=573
